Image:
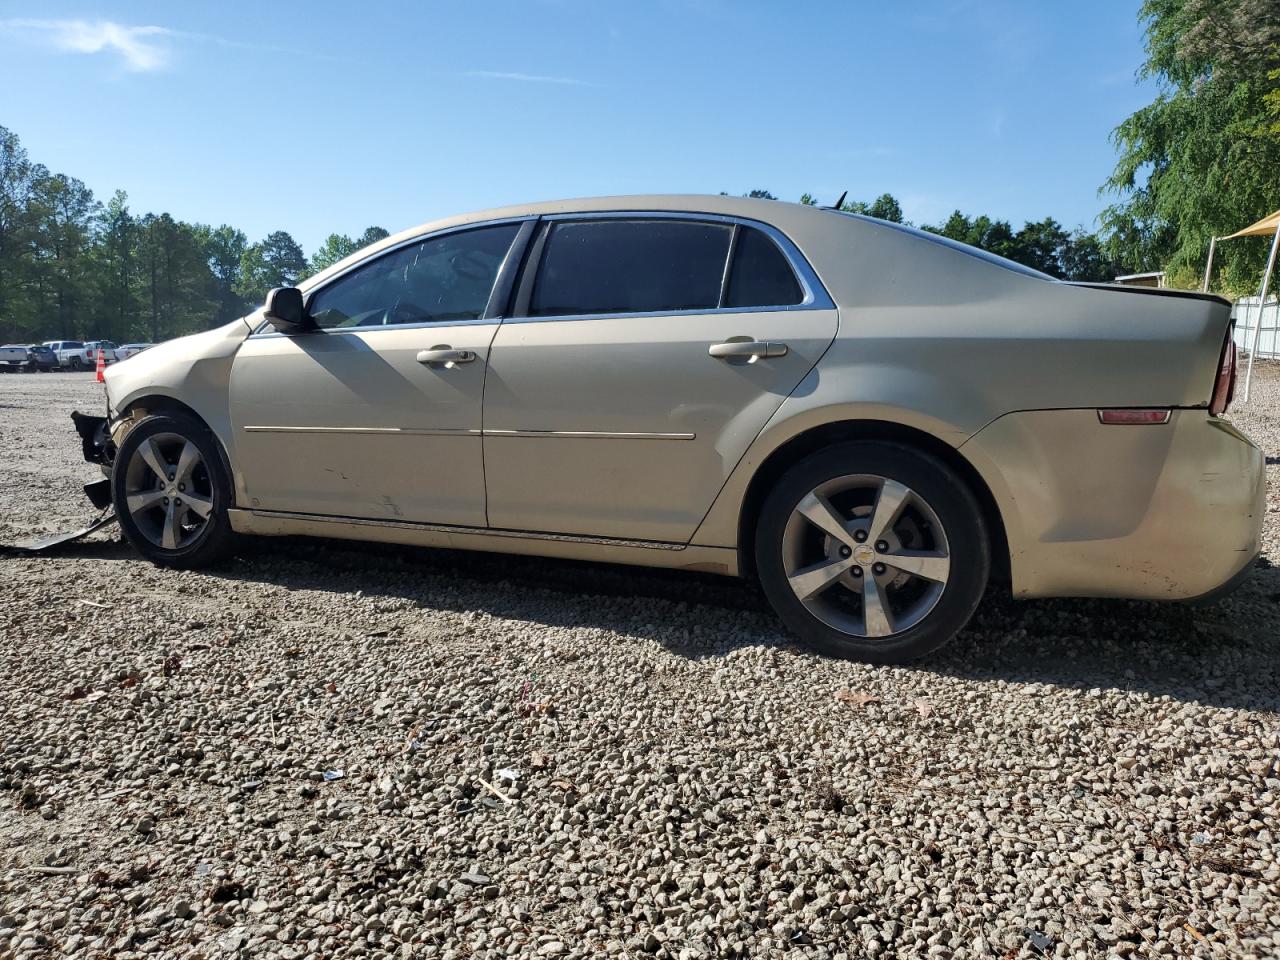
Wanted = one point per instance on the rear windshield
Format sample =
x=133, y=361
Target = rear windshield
x=956, y=245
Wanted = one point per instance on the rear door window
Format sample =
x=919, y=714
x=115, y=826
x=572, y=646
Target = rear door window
x=612, y=266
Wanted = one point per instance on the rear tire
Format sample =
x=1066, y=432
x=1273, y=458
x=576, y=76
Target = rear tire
x=172, y=492
x=76, y=364
x=873, y=551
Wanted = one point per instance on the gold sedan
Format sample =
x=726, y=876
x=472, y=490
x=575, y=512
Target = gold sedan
x=871, y=420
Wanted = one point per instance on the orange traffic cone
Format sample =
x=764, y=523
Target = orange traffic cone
x=102, y=363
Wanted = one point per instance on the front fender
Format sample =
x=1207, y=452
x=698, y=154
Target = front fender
x=194, y=371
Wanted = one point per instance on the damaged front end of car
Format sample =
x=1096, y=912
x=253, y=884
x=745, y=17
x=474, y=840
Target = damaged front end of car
x=98, y=447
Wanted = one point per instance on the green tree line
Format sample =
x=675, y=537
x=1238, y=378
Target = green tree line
x=1045, y=244
x=72, y=267
x=1202, y=160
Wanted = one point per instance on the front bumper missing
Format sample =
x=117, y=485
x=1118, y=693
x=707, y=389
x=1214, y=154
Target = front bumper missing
x=95, y=438
x=97, y=447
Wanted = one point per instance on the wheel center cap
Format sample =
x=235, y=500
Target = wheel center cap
x=864, y=553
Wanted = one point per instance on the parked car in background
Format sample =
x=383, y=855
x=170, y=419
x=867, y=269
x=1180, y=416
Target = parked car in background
x=14, y=356
x=869, y=419
x=127, y=350
x=42, y=358
x=92, y=348
x=69, y=353
x=29, y=357
x=76, y=355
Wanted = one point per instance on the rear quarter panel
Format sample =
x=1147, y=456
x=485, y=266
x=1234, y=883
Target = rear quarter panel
x=943, y=342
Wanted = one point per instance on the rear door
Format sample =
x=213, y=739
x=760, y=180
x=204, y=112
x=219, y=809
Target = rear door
x=645, y=354
x=377, y=413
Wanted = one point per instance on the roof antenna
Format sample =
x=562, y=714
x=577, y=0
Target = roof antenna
x=840, y=203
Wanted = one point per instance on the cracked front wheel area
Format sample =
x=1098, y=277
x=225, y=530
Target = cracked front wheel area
x=873, y=551
x=171, y=491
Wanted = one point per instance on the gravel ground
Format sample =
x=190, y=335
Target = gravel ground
x=327, y=749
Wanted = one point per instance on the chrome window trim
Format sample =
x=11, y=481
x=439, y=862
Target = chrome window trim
x=815, y=294
x=348, y=331
x=263, y=331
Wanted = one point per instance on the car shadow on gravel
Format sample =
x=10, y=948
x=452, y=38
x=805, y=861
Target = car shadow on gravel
x=1223, y=654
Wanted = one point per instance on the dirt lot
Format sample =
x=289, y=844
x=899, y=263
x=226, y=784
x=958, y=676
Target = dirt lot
x=325, y=749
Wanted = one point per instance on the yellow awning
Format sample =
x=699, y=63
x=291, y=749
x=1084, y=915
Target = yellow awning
x=1266, y=227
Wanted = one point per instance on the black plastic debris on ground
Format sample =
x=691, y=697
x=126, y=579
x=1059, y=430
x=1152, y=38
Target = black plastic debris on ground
x=59, y=539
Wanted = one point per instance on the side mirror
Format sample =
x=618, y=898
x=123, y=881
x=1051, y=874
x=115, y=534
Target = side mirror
x=283, y=311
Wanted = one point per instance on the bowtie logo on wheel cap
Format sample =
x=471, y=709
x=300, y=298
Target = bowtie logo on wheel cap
x=864, y=554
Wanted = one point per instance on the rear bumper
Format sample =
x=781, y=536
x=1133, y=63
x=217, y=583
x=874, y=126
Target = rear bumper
x=1170, y=512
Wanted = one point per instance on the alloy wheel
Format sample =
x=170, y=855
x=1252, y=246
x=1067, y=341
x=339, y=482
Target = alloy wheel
x=866, y=555
x=168, y=491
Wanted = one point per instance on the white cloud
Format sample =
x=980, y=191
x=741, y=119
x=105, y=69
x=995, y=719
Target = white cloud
x=143, y=48
x=526, y=77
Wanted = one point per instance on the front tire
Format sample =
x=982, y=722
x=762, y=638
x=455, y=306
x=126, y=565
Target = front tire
x=873, y=551
x=172, y=493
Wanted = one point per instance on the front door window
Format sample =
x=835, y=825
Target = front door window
x=440, y=280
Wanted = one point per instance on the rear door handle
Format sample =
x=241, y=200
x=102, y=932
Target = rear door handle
x=445, y=355
x=753, y=349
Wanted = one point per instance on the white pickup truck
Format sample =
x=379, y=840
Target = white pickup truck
x=13, y=357
x=81, y=356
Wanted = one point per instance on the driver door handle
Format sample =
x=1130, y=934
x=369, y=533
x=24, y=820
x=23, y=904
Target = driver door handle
x=445, y=355
x=747, y=348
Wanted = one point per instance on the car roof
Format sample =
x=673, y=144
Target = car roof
x=777, y=213
x=825, y=237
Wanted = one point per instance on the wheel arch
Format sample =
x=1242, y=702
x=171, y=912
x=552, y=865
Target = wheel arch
x=810, y=441
x=137, y=407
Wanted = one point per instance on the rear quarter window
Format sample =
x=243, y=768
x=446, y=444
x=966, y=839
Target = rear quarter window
x=760, y=275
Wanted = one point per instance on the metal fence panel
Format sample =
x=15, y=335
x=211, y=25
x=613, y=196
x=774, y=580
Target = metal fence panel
x=1245, y=312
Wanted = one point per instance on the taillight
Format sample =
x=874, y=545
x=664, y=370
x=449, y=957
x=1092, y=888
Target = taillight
x=1224, y=388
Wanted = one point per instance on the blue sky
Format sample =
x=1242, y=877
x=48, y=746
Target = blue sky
x=323, y=116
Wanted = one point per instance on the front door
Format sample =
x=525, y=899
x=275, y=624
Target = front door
x=645, y=356
x=376, y=413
